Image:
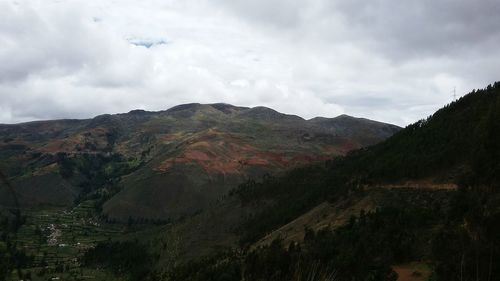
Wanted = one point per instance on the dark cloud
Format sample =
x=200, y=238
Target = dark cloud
x=283, y=14
x=43, y=44
x=410, y=29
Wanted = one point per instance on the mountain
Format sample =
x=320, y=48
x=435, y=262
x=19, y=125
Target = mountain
x=172, y=163
x=422, y=205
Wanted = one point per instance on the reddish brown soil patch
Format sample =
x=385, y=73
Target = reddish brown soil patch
x=77, y=143
x=412, y=272
x=348, y=146
x=98, y=132
x=196, y=155
x=223, y=153
x=169, y=137
x=53, y=146
x=308, y=158
x=164, y=166
x=332, y=150
x=255, y=161
x=274, y=157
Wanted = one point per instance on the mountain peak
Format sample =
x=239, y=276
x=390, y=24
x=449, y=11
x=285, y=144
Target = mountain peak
x=186, y=106
x=227, y=108
x=138, y=112
x=268, y=114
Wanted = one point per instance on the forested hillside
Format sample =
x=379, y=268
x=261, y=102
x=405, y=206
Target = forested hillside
x=453, y=231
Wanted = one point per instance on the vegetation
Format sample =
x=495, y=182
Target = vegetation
x=201, y=150
x=365, y=248
x=51, y=242
x=459, y=143
x=455, y=232
x=96, y=170
x=129, y=259
x=458, y=233
x=10, y=256
x=467, y=246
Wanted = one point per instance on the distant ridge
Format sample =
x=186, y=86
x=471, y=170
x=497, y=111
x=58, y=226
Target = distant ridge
x=169, y=163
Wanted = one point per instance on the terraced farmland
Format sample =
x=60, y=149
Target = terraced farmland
x=56, y=238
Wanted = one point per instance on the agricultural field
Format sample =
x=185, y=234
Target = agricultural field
x=56, y=239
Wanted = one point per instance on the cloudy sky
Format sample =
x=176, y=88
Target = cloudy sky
x=389, y=60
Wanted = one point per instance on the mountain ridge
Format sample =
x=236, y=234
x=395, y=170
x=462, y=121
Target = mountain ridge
x=219, y=106
x=192, y=151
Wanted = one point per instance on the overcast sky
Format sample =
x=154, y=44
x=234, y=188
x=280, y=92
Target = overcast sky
x=388, y=60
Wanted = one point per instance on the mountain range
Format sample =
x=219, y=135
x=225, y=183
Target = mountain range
x=168, y=164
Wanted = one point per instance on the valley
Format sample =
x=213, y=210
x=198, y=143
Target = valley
x=218, y=192
x=249, y=140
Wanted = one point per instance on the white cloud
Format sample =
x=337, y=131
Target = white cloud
x=77, y=59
